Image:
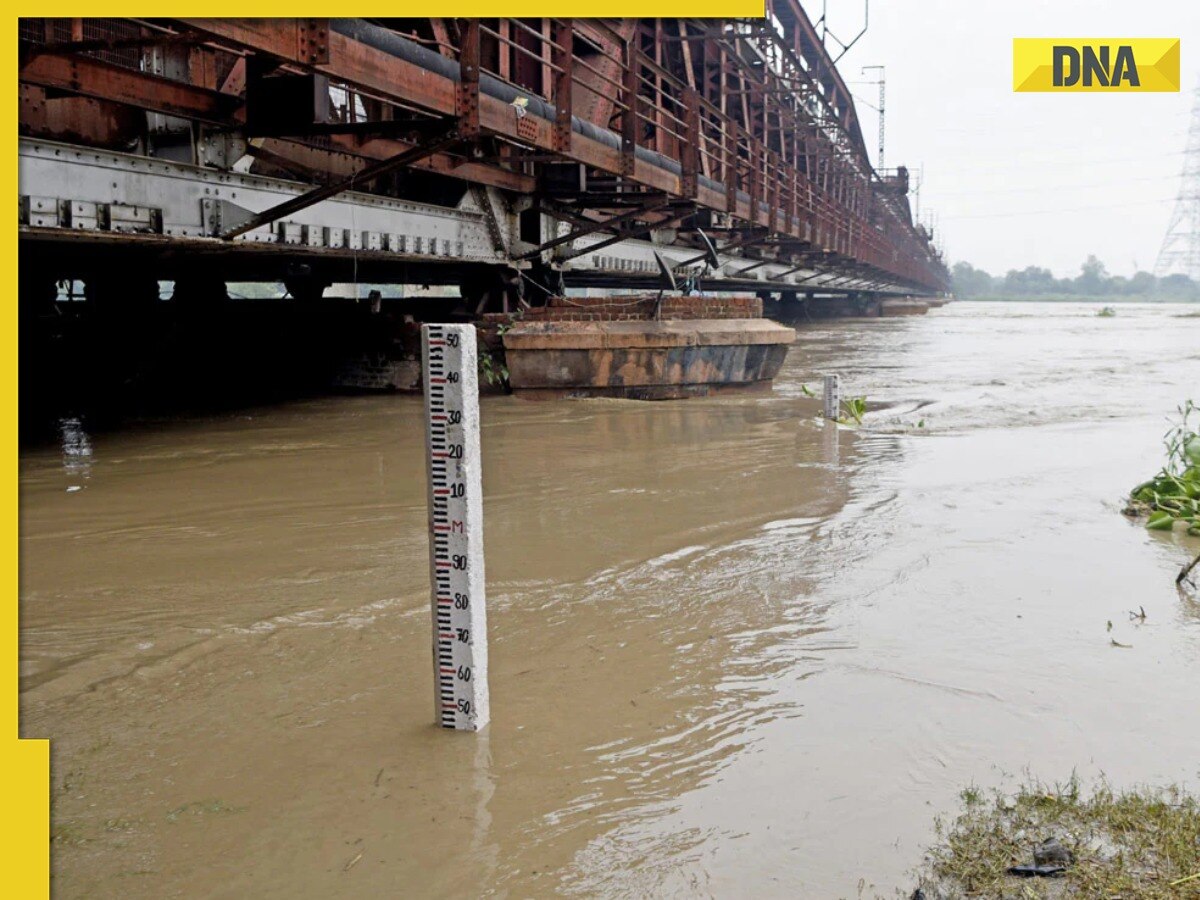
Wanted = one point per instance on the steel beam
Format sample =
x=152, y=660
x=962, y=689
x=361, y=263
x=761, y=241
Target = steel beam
x=619, y=238
x=348, y=155
x=366, y=175
x=591, y=228
x=88, y=77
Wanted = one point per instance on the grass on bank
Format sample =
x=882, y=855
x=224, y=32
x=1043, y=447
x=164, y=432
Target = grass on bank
x=1142, y=843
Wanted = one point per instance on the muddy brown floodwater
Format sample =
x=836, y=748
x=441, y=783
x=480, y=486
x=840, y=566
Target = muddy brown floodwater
x=735, y=651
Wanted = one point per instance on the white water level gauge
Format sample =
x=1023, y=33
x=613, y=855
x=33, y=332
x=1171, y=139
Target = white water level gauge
x=451, y=380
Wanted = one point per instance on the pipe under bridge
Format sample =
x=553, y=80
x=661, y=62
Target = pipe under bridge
x=510, y=157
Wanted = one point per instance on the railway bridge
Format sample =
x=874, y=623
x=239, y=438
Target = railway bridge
x=511, y=158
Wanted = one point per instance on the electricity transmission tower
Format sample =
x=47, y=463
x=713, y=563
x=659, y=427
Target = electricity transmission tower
x=1180, y=251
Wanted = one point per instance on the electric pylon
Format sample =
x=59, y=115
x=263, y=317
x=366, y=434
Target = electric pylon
x=1180, y=251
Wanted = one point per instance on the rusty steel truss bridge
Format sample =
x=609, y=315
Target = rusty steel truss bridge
x=510, y=157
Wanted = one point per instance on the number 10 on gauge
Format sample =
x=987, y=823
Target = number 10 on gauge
x=448, y=358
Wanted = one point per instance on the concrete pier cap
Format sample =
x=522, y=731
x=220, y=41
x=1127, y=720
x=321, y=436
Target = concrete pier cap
x=646, y=360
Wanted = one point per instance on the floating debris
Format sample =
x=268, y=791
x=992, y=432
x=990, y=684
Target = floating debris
x=1036, y=871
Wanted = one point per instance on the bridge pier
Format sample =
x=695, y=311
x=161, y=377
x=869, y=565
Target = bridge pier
x=618, y=347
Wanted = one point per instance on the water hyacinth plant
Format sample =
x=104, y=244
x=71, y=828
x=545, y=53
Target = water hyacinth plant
x=853, y=410
x=1173, y=495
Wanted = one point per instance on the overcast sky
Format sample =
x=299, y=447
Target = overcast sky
x=1024, y=179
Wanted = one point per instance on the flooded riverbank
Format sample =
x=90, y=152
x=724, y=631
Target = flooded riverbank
x=735, y=651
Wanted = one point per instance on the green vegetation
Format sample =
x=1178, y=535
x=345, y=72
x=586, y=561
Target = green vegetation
x=1106, y=312
x=1142, y=843
x=1092, y=283
x=493, y=367
x=1173, y=495
x=853, y=410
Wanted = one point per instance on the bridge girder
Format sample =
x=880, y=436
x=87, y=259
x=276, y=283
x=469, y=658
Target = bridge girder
x=742, y=129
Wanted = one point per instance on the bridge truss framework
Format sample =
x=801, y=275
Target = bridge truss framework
x=448, y=151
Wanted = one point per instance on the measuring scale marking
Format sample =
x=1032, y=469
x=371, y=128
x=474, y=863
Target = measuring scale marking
x=833, y=397
x=459, y=610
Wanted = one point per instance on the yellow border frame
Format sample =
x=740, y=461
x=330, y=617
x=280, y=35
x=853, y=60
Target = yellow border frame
x=26, y=763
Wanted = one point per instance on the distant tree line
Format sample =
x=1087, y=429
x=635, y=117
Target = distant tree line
x=1092, y=282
